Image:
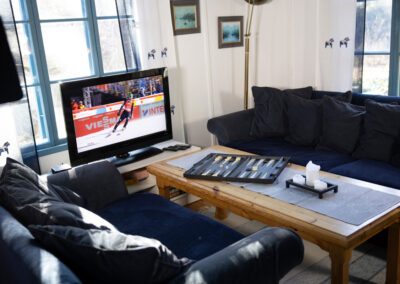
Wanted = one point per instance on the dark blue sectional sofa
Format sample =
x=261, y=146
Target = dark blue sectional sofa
x=219, y=254
x=233, y=130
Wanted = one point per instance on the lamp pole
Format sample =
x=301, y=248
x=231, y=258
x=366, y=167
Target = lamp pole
x=250, y=9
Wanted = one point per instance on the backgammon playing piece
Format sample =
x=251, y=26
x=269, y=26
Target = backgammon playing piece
x=227, y=159
x=217, y=159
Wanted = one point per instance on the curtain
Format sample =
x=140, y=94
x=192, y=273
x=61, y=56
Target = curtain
x=394, y=75
x=359, y=46
x=296, y=43
x=148, y=43
x=16, y=132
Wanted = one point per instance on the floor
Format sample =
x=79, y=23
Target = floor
x=368, y=264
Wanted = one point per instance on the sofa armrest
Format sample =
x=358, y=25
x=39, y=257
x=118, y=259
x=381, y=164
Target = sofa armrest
x=263, y=257
x=100, y=183
x=231, y=127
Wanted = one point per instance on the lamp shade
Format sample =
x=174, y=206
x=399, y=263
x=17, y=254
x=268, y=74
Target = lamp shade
x=256, y=2
x=10, y=89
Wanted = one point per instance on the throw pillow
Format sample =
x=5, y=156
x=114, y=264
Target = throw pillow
x=344, y=97
x=381, y=127
x=270, y=117
x=20, y=177
x=395, y=160
x=305, y=121
x=98, y=256
x=61, y=213
x=341, y=125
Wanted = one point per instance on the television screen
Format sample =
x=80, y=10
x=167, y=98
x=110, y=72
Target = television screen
x=113, y=115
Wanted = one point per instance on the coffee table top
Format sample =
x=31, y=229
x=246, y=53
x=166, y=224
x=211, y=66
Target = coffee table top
x=279, y=213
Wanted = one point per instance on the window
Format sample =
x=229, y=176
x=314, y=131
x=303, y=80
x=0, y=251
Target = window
x=373, y=47
x=64, y=40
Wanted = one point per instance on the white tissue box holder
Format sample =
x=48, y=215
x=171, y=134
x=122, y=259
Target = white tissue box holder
x=331, y=187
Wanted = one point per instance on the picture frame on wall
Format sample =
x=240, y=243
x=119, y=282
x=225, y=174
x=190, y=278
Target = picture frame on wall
x=185, y=16
x=230, y=31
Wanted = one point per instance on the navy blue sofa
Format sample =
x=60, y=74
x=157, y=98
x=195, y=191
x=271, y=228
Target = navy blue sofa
x=221, y=254
x=232, y=130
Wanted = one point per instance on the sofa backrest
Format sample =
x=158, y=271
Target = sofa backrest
x=359, y=99
x=23, y=261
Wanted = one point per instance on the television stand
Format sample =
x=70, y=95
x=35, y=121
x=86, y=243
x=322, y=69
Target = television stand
x=134, y=156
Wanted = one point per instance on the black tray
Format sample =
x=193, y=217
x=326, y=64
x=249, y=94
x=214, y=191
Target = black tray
x=330, y=187
x=239, y=168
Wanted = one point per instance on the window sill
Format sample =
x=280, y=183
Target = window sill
x=52, y=150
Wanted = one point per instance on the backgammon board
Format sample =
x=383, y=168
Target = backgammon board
x=239, y=168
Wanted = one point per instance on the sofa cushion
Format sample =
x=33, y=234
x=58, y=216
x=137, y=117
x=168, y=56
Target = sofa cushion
x=341, y=125
x=370, y=170
x=381, y=127
x=23, y=261
x=270, y=110
x=299, y=155
x=99, y=256
x=186, y=233
x=100, y=183
x=26, y=186
x=61, y=213
x=304, y=118
x=344, y=97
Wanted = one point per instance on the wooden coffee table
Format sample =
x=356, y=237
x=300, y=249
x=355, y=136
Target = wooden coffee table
x=336, y=237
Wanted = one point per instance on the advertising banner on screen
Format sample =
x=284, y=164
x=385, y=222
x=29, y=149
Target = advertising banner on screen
x=96, y=123
x=152, y=109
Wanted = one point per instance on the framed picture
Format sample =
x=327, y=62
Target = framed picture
x=185, y=16
x=230, y=31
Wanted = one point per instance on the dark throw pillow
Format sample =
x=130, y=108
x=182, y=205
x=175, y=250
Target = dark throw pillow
x=344, y=97
x=305, y=121
x=26, y=186
x=98, y=256
x=61, y=213
x=270, y=118
x=341, y=125
x=381, y=128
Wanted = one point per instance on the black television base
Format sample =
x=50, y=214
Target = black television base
x=134, y=156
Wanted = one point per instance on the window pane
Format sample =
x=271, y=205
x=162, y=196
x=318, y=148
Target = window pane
x=19, y=15
x=111, y=46
x=67, y=51
x=60, y=9
x=376, y=74
x=58, y=110
x=105, y=8
x=378, y=25
x=38, y=116
x=27, y=54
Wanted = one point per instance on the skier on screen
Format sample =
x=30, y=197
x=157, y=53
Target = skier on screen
x=127, y=112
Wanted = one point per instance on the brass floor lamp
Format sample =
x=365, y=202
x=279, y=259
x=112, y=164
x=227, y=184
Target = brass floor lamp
x=250, y=9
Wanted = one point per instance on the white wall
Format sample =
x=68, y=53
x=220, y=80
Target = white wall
x=211, y=81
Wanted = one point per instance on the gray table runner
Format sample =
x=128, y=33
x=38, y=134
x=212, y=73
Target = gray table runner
x=352, y=204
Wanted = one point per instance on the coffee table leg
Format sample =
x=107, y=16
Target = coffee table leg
x=393, y=255
x=163, y=189
x=220, y=213
x=340, y=259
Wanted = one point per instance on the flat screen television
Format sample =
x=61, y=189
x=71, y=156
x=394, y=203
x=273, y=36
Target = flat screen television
x=112, y=116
